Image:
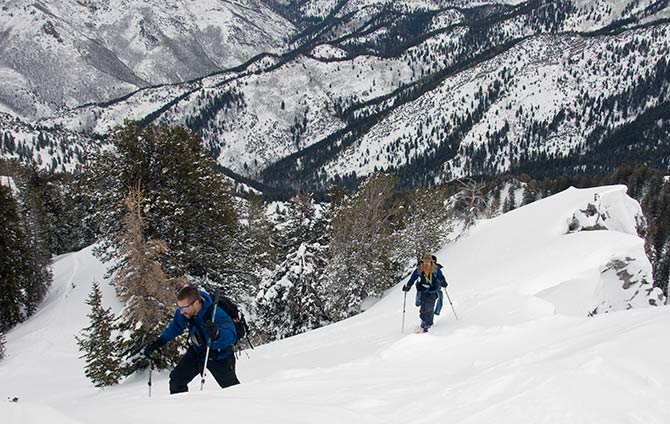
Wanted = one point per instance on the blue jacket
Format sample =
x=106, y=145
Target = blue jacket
x=221, y=348
x=431, y=284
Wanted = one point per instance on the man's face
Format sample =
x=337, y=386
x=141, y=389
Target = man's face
x=188, y=309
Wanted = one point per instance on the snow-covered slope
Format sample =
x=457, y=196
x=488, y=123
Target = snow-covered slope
x=523, y=349
x=453, y=92
x=53, y=149
x=56, y=53
x=43, y=350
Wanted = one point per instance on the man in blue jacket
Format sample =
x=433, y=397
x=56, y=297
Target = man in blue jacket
x=194, y=312
x=429, y=282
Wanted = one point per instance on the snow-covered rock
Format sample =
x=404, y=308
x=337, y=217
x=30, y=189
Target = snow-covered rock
x=626, y=283
x=613, y=213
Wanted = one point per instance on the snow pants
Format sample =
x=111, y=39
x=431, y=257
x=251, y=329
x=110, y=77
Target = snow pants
x=427, y=309
x=190, y=365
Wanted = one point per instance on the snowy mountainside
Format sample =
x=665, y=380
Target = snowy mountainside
x=522, y=351
x=52, y=148
x=431, y=90
x=527, y=104
x=56, y=54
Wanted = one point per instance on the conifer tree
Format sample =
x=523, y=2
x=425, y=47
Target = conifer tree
x=24, y=277
x=36, y=224
x=493, y=207
x=26, y=239
x=510, y=200
x=187, y=202
x=96, y=342
x=426, y=220
x=2, y=344
x=58, y=215
x=470, y=202
x=12, y=262
x=291, y=302
x=257, y=247
x=149, y=295
x=529, y=195
x=362, y=263
x=43, y=202
x=304, y=222
x=80, y=230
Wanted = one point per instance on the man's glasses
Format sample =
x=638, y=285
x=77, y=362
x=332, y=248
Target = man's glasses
x=183, y=308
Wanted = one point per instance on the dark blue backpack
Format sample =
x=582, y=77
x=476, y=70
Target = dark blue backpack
x=234, y=312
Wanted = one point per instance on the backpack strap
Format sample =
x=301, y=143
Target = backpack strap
x=208, y=312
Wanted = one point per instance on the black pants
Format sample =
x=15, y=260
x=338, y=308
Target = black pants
x=190, y=365
x=427, y=310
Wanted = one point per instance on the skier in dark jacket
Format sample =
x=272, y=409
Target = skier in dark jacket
x=194, y=312
x=429, y=282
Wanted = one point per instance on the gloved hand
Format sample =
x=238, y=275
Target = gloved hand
x=405, y=288
x=153, y=346
x=212, y=330
x=443, y=283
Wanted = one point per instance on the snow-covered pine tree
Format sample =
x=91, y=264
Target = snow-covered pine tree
x=148, y=294
x=261, y=236
x=81, y=230
x=469, y=203
x=362, y=262
x=24, y=277
x=13, y=244
x=193, y=210
x=296, y=227
x=426, y=223
x=36, y=223
x=510, y=200
x=45, y=200
x=30, y=231
x=2, y=344
x=529, y=194
x=188, y=204
x=96, y=343
x=291, y=301
x=321, y=224
x=256, y=251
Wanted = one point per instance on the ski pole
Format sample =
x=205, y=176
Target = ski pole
x=209, y=343
x=404, y=302
x=452, y=305
x=151, y=367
